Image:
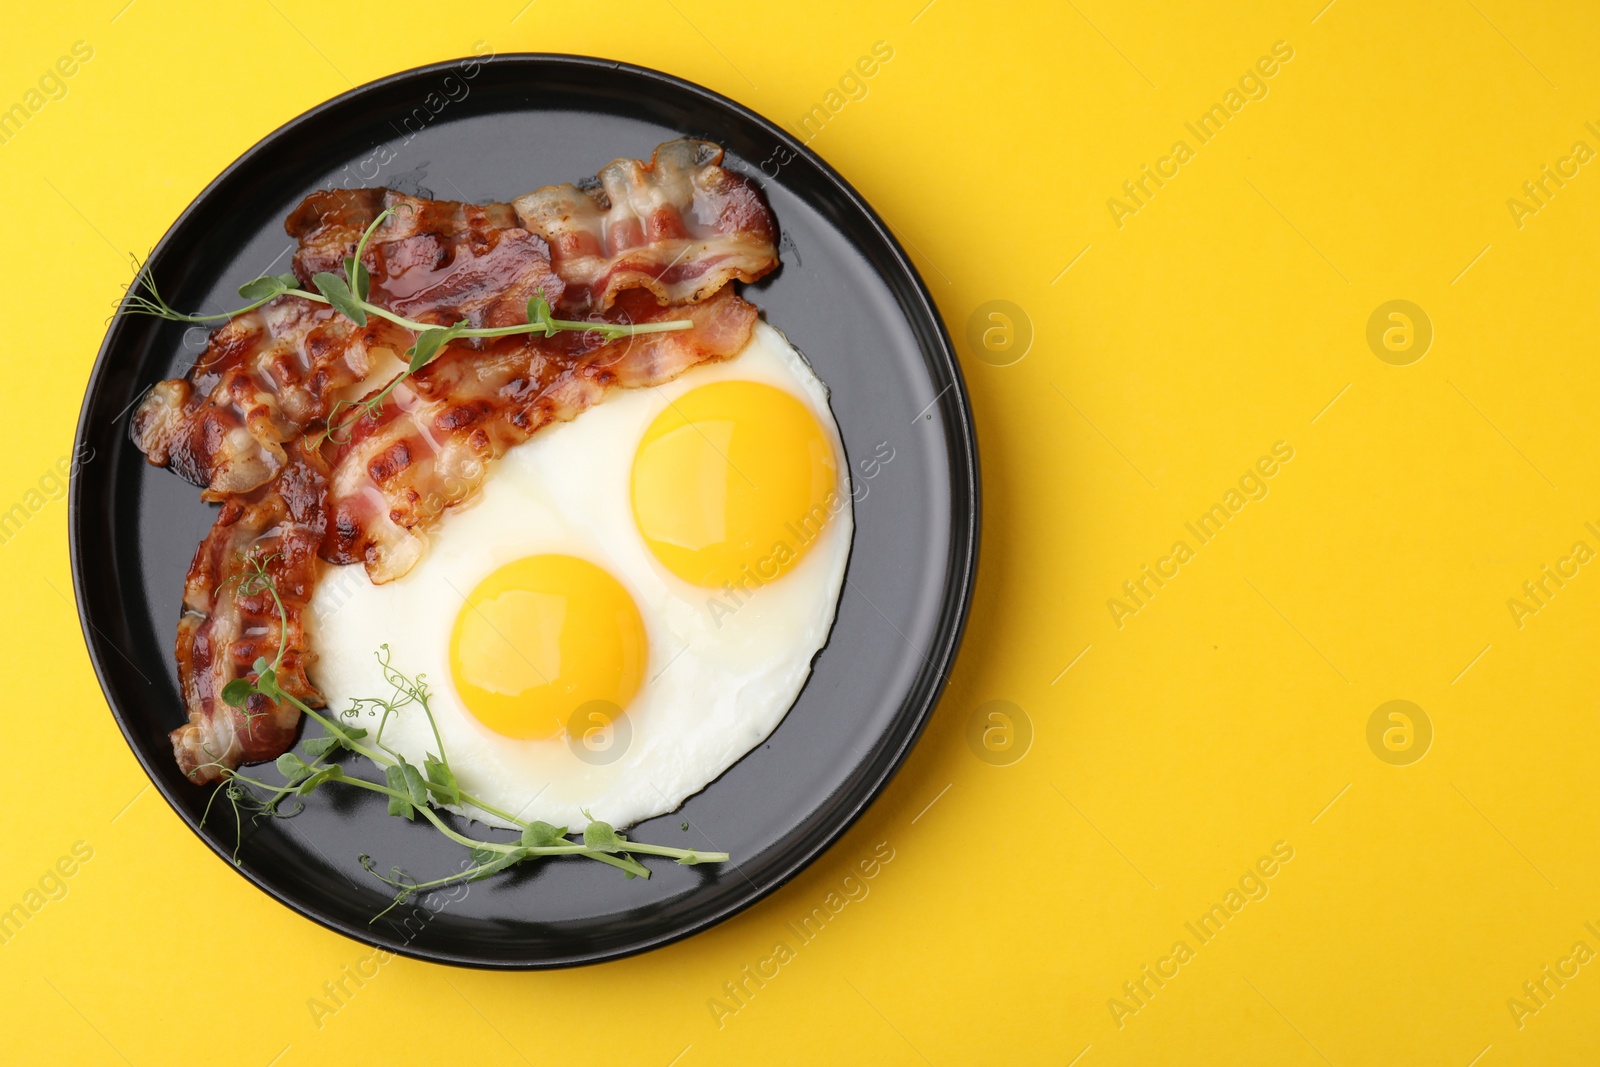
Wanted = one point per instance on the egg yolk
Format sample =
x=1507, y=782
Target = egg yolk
x=733, y=480
x=541, y=637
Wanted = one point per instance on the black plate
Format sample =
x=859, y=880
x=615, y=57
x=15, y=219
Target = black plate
x=847, y=296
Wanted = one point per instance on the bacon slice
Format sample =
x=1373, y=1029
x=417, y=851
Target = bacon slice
x=679, y=226
x=434, y=261
x=269, y=374
x=430, y=445
x=225, y=626
x=327, y=225
x=263, y=378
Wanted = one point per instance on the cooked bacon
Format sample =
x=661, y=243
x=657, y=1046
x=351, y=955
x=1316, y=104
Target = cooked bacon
x=680, y=226
x=263, y=378
x=326, y=226
x=640, y=243
x=227, y=624
x=434, y=261
x=429, y=446
x=269, y=374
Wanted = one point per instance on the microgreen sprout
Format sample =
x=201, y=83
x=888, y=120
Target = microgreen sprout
x=348, y=296
x=409, y=789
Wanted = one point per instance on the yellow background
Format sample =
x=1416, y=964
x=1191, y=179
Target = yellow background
x=1228, y=714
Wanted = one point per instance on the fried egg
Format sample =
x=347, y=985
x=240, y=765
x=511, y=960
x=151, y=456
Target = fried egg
x=630, y=604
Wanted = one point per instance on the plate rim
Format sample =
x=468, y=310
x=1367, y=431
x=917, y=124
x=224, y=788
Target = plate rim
x=960, y=579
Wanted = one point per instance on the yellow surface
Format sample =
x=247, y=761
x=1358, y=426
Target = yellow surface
x=1230, y=713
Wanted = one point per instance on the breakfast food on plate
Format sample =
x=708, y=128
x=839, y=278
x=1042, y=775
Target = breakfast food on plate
x=428, y=446
x=609, y=610
x=679, y=231
x=618, y=617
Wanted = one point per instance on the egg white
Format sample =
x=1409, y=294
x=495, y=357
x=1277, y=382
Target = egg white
x=723, y=669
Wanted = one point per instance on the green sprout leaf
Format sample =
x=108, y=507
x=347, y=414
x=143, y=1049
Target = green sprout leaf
x=442, y=780
x=291, y=766
x=416, y=785
x=602, y=837
x=317, y=747
x=237, y=692
x=338, y=294
x=539, y=314
x=331, y=773
x=427, y=346
x=491, y=862
x=542, y=835
x=267, y=287
x=399, y=805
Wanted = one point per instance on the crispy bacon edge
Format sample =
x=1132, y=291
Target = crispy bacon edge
x=263, y=378
x=681, y=226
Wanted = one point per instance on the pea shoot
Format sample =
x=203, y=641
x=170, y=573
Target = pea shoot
x=348, y=296
x=410, y=790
